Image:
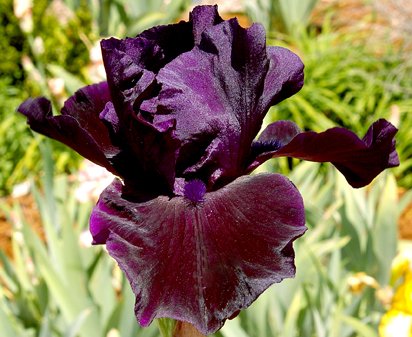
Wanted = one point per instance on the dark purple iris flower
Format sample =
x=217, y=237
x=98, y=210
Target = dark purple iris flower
x=198, y=238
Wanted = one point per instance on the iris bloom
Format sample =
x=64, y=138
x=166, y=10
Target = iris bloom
x=198, y=237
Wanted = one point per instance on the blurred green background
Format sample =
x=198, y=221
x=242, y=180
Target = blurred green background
x=358, y=68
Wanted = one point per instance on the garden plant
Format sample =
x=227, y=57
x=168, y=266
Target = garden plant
x=216, y=225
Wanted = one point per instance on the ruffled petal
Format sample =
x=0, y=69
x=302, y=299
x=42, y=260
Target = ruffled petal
x=219, y=93
x=202, y=261
x=132, y=63
x=127, y=64
x=360, y=160
x=89, y=125
x=175, y=39
x=131, y=66
x=284, y=77
x=79, y=126
x=85, y=106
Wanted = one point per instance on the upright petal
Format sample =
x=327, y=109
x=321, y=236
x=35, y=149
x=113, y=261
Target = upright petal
x=176, y=39
x=284, y=77
x=219, y=93
x=360, y=160
x=128, y=75
x=132, y=63
x=202, y=262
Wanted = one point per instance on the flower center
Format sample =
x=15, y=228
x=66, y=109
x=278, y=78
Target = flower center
x=195, y=190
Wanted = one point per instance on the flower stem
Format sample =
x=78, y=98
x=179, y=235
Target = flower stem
x=183, y=329
x=171, y=328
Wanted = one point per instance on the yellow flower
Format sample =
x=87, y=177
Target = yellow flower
x=395, y=323
x=402, y=299
x=401, y=266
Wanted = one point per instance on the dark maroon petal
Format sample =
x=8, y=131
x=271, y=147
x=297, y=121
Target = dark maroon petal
x=176, y=39
x=85, y=106
x=203, y=17
x=273, y=137
x=219, y=93
x=360, y=160
x=149, y=152
x=154, y=150
x=382, y=132
x=131, y=63
x=148, y=155
x=79, y=126
x=127, y=76
x=202, y=262
x=284, y=77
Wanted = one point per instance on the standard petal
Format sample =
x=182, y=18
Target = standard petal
x=202, y=262
x=360, y=160
x=148, y=152
x=179, y=38
x=79, y=126
x=128, y=73
x=284, y=77
x=132, y=63
x=219, y=93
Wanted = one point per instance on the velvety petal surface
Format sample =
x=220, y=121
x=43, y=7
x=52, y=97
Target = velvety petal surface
x=284, y=77
x=131, y=64
x=176, y=39
x=151, y=158
x=127, y=76
x=79, y=126
x=360, y=160
x=202, y=261
x=219, y=93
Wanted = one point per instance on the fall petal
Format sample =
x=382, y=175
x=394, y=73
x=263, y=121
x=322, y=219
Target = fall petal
x=79, y=126
x=202, y=262
x=360, y=160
